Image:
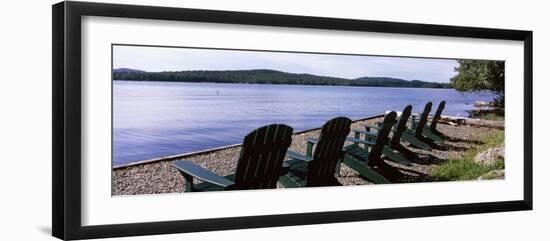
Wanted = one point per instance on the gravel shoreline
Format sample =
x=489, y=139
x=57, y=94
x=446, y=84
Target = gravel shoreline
x=161, y=177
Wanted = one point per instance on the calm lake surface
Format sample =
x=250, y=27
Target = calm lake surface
x=156, y=119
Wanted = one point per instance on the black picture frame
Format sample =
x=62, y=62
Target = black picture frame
x=66, y=162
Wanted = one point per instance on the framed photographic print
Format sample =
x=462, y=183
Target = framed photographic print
x=169, y=120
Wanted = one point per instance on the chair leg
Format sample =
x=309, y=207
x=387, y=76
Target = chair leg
x=188, y=182
x=338, y=166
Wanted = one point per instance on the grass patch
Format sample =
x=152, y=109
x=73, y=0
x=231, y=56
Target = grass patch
x=466, y=168
x=463, y=169
x=492, y=116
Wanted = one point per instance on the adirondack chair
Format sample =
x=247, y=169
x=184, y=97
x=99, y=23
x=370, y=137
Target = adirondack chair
x=368, y=161
x=258, y=167
x=414, y=135
x=410, y=135
x=318, y=167
x=394, y=150
x=432, y=132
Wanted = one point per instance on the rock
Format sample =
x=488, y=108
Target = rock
x=490, y=155
x=494, y=174
x=484, y=123
x=483, y=103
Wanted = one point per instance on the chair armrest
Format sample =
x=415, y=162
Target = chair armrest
x=200, y=173
x=367, y=133
x=373, y=127
x=312, y=140
x=414, y=118
x=370, y=143
x=298, y=156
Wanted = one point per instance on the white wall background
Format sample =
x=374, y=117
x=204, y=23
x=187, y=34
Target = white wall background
x=25, y=119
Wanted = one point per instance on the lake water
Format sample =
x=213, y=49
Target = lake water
x=156, y=119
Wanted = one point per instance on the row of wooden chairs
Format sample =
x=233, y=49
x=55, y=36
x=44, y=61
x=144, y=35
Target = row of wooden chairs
x=263, y=161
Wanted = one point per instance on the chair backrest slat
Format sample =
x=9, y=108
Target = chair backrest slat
x=382, y=137
x=437, y=115
x=401, y=125
x=261, y=158
x=328, y=150
x=423, y=119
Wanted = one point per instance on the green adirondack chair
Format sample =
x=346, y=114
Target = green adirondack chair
x=318, y=166
x=394, y=151
x=431, y=131
x=258, y=167
x=395, y=142
x=414, y=135
x=409, y=135
x=367, y=161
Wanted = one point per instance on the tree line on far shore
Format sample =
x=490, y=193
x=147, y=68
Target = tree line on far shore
x=266, y=76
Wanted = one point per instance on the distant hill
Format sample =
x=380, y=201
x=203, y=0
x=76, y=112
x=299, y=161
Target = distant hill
x=122, y=70
x=265, y=76
x=394, y=82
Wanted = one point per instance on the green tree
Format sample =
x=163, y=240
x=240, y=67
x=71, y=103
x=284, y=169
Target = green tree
x=480, y=75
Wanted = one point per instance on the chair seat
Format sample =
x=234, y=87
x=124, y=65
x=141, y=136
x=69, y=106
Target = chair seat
x=357, y=159
x=357, y=152
x=431, y=135
x=411, y=139
x=296, y=174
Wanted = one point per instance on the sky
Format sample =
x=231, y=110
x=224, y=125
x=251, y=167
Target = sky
x=155, y=59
